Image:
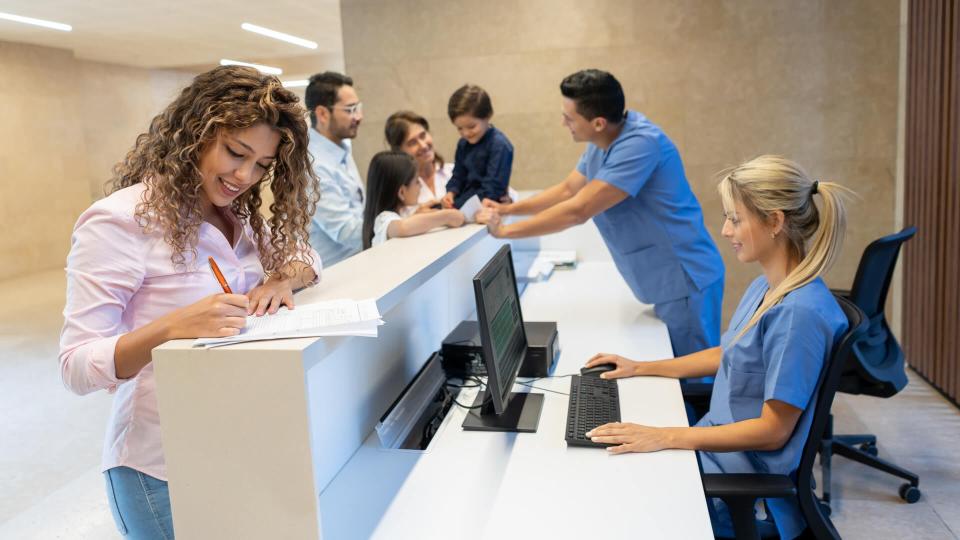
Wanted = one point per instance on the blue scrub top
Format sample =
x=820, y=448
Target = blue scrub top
x=778, y=358
x=656, y=235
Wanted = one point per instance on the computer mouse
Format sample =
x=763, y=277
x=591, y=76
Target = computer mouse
x=598, y=369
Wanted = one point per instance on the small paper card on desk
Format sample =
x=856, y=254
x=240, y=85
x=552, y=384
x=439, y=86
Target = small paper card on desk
x=333, y=318
x=470, y=208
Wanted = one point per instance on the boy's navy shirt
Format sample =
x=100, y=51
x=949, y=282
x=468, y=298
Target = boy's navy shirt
x=482, y=169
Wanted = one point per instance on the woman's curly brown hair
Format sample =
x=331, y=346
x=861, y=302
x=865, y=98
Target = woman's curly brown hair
x=167, y=159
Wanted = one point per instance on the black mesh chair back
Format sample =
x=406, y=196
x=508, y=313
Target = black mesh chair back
x=817, y=520
x=877, y=369
x=875, y=272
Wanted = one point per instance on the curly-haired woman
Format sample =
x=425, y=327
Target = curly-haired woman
x=137, y=273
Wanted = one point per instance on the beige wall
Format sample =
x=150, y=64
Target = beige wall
x=65, y=122
x=727, y=80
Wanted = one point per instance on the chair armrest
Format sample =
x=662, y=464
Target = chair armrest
x=841, y=292
x=756, y=486
x=696, y=390
x=697, y=395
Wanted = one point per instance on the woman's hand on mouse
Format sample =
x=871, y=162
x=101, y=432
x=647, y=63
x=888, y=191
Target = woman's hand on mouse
x=625, y=367
x=631, y=437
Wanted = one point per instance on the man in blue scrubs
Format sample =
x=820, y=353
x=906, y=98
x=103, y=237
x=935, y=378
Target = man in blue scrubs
x=631, y=181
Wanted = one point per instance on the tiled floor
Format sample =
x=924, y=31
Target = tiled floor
x=50, y=442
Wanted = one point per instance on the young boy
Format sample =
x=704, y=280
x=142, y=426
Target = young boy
x=484, y=154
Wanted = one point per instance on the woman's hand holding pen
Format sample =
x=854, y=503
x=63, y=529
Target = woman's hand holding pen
x=218, y=315
x=267, y=298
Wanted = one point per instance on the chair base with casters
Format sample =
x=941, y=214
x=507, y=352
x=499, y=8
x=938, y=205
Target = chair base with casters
x=862, y=449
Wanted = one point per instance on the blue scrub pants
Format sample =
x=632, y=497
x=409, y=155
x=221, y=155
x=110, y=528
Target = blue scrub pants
x=694, y=321
x=140, y=504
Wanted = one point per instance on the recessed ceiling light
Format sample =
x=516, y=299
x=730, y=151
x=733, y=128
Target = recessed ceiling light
x=36, y=22
x=263, y=69
x=279, y=35
x=296, y=84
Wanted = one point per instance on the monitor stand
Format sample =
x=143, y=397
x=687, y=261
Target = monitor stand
x=522, y=414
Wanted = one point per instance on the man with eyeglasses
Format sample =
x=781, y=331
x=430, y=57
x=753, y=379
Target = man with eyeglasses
x=335, y=115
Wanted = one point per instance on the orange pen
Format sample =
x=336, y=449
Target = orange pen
x=216, y=272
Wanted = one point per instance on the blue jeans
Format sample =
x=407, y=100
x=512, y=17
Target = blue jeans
x=140, y=504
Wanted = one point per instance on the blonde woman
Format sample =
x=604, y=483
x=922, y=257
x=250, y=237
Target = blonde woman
x=770, y=358
x=137, y=272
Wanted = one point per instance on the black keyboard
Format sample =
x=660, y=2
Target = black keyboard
x=593, y=402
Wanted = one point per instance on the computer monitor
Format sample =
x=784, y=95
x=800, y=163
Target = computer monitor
x=503, y=348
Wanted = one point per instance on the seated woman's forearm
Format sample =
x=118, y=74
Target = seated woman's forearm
x=770, y=431
x=703, y=363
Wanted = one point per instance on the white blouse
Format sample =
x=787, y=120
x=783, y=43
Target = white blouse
x=440, y=180
x=384, y=219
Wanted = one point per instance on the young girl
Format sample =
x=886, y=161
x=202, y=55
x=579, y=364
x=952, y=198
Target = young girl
x=781, y=335
x=393, y=190
x=484, y=155
x=137, y=272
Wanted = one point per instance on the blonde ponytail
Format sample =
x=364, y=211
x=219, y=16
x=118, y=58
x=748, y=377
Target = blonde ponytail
x=770, y=183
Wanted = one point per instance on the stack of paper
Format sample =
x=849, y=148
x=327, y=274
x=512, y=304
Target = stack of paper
x=540, y=270
x=470, y=208
x=560, y=258
x=334, y=318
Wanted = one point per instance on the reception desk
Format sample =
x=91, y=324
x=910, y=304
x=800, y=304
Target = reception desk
x=275, y=439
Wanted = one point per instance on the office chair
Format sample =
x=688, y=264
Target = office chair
x=741, y=491
x=876, y=367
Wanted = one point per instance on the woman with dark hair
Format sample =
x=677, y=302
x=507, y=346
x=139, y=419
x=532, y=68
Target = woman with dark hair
x=137, y=273
x=407, y=131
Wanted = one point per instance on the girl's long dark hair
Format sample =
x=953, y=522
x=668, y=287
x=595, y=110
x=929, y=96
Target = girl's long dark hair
x=388, y=172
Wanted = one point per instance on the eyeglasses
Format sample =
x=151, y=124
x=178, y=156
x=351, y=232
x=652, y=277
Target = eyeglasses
x=353, y=110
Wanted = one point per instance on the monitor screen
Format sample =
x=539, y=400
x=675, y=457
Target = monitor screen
x=504, y=342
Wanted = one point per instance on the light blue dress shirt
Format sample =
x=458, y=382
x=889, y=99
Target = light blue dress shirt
x=335, y=230
x=778, y=358
x=656, y=235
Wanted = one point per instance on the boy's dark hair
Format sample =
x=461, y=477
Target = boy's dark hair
x=398, y=126
x=472, y=100
x=322, y=91
x=596, y=93
x=388, y=171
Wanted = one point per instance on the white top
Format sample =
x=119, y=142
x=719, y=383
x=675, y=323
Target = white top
x=384, y=219
x=440, y=180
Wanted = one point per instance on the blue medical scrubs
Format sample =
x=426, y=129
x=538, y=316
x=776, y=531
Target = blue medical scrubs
x=778, y=358
x=656, y=235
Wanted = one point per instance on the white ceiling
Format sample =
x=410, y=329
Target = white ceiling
x=177, y=33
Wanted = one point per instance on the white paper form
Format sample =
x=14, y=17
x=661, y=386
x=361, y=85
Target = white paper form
x=470, y=208
x=334, y=318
